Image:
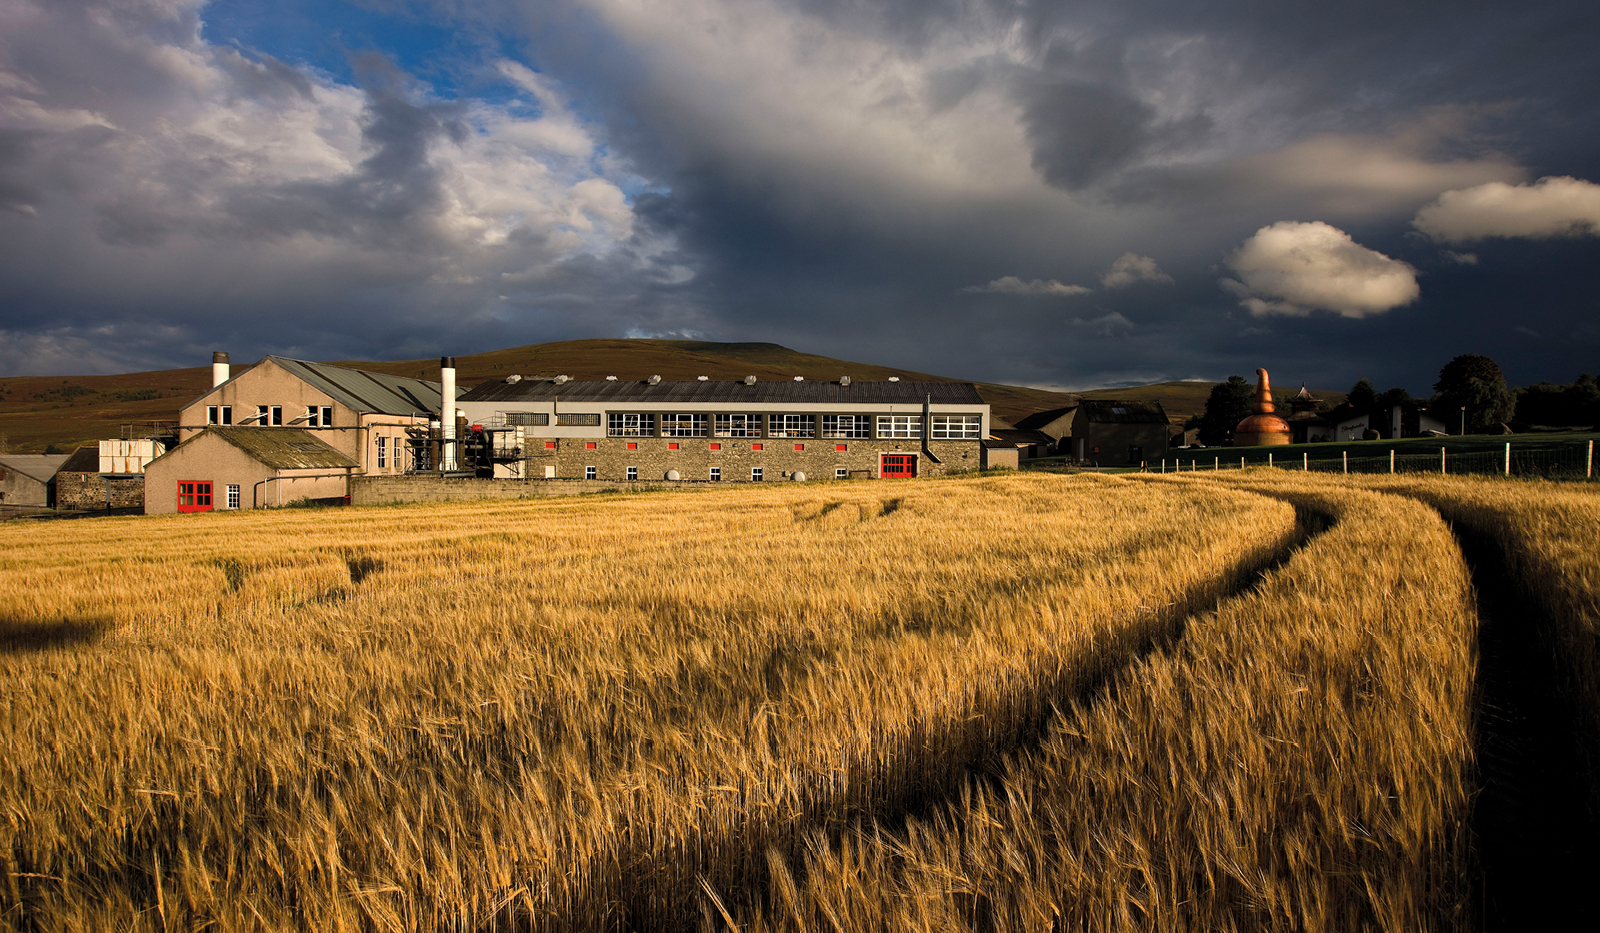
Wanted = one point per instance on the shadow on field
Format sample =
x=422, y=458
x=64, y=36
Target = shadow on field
x=1533, y=830
x=634, y=888
x=20, y=636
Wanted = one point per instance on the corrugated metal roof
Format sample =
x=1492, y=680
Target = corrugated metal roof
x=279, y=448
x=366, y=391
x=1112, y=411
x=34, y=466
x=733, y=393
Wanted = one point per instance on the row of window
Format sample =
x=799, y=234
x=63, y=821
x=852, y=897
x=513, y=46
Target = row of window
x=837, y=427
x=756, y=473
x=316, y=416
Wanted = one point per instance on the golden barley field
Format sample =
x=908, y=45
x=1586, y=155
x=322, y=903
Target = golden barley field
x=1005, y=702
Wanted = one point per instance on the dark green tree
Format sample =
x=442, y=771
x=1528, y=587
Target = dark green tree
x=1394, y=397
x=1576, y=404
x=1228, y=404
x=1363, y=395
x=1475, y=382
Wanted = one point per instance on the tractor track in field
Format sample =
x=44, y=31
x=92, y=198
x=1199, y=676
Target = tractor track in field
x=631, y=890
x=1532, y=828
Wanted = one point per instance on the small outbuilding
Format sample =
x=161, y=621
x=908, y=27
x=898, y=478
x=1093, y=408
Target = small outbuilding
x=1113, y=432
x=28, y=480
x=223, y=468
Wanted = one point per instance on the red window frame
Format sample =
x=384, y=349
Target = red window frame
x=897, y=466
x=194, y=495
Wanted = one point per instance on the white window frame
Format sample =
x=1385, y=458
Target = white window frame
x=590, y=472
x=716, y=474
x=319, y=416
x=841, y=473
x=958, y=427
x=738, y=425
x=630, y=424
x=847, y=427
x=233, y=496
x=900, y=427
x=219, y=414
x=633, y=472
x=383, y=453
x=683, y=425
x=787, y=425
x=757, y=475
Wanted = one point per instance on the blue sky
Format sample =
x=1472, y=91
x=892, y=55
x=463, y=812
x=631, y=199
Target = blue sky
x=1058, y=194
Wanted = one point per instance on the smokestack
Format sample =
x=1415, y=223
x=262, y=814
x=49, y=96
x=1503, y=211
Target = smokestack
x=219, y=368
x=447, y=412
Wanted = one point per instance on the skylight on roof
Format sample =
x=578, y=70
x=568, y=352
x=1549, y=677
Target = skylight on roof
x=1119, y=411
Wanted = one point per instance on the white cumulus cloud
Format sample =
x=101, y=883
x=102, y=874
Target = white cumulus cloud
x=1295, y=268
x=1553, y=206
x=1011, y=285
x=1130, y=268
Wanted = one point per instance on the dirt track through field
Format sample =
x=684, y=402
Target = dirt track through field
x=630, y=892
x=1534, y=833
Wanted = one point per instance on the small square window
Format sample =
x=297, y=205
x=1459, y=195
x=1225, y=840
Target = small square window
x=589, y=472
x=716, y=446
x=549, y=445
x=633, y=445
x=589, y=445
x=716, y=474
x=755, y=446
x=755, y=474
x=672, y=446
x=799, y=447
x=841, y=446
x=841, y=473
x=633, y=472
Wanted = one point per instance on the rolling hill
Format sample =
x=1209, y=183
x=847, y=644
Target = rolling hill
x=36, y=411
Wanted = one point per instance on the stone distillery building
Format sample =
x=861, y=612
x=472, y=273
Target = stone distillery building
x=746, y=431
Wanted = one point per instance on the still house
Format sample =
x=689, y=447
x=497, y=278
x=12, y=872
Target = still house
x=749, y=431
x=232, y=467
x=1111, y=432
x=1307, y=424
x=28, y=480
x=305, y=410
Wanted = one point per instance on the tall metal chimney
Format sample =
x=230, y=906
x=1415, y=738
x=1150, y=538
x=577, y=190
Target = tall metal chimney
x=447, y=413
x=219, y=368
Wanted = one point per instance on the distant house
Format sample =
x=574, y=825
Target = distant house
x=1054, y=424
x=29, y=479
x=226, y=467
x=1409, y=420
x=1110, y=432
x=1028, y=444
x=1307, y=424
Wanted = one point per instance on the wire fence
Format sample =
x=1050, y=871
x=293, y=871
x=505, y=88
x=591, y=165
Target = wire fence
x=1565, y=463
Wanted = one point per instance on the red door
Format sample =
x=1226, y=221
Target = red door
x=898, y=466
x=194, y=496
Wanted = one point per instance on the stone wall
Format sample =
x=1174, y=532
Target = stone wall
x=391, y=490
x=89, y=491
x=777, y=458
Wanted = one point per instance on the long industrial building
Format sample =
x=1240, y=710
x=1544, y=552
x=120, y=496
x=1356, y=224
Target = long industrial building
x=746, y=431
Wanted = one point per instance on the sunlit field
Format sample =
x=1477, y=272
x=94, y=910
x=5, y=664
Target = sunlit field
x=1005, y=702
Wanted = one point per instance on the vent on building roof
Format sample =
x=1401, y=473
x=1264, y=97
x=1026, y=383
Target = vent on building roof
x=513, y=380
x=1119, y=411
x=799, y=379
x=655, y=380
x=749, y=380
x=703, y=378
x=611, y=378
x=894, y=378
x=844, y=380
x=562, y=380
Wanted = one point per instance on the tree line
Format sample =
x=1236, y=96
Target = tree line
x=1471, y=381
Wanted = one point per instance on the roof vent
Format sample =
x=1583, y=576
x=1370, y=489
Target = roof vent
x=655, y=380
x=611, y=378
x=844, y=380
x=703, y=378
x=749, y=380
x=799, y=379
x=894, y=378
x=513, y=380
x=562, y=380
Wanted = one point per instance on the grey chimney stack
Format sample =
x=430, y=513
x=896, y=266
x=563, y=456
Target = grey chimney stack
x=219, y=368
x=447, y=413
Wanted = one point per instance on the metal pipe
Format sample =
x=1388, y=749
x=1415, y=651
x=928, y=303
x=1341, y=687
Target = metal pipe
x=273, y=479
x=447, y=413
